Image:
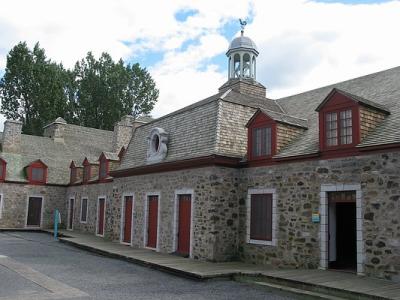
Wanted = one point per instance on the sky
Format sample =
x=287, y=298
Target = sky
x=303, y=44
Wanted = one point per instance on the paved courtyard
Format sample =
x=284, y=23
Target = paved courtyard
x=34, y=267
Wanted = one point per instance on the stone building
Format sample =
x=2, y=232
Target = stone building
x=306, y=181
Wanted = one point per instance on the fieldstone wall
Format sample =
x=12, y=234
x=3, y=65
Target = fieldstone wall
x=298, y=187
x=215, y=219
x=15, y=204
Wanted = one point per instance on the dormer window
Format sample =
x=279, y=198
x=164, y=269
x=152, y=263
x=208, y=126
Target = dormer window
x=103, y=169
x=3, y=165
x=37, y=172
x=262, y=142
x=339, y=128
x=86, y=171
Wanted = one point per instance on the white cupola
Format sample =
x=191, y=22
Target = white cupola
x=242, y=55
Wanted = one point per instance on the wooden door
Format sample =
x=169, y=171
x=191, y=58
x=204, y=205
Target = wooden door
x=100, y=217
x=71, y=214
x=128, y=219
x=184, y=220
x=34, y=211
x=152, y=222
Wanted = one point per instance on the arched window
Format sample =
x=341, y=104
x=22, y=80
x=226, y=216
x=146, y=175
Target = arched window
x=253, y=67
x=246, y=66
x=236, y=66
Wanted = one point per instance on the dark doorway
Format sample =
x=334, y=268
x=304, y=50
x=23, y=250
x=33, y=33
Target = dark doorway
x=342, y=231
x=34, y=212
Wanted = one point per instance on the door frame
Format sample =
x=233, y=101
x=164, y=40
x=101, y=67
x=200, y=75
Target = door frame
x=324, y=224
x=175, y=225
x=97, y=215
x=27, y=210
x=69, y=213
x=146, y=217
x=121, y=235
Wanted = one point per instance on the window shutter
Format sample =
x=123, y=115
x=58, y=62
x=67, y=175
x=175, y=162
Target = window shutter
x=261, y=217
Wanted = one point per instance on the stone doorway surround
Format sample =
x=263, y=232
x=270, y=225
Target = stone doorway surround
x=324, y=229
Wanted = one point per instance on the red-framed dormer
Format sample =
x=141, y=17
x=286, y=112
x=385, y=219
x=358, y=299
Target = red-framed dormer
x=341, y=120
x=261, y=137
x=104, y=167
x=75, y=173
x=87, y=170
x=37, y=172
x=3, y=169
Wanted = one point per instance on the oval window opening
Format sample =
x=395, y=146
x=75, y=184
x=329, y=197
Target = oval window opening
x=156, y=142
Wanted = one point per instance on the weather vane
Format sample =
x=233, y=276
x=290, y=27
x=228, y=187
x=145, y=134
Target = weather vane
x=243, y=24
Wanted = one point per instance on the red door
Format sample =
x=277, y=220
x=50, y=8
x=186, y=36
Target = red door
x=128, y=219
x=100, y=217
x=185, y=205
x=152, y=222
x=71, y=213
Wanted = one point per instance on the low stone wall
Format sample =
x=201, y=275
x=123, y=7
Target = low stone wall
x=298, y=188
x=15, y=204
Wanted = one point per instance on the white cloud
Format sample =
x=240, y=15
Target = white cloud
x=303, y=44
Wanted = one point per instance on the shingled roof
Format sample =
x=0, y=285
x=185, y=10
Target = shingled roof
x=382, y=88
x=79, y=142
x=216, y=125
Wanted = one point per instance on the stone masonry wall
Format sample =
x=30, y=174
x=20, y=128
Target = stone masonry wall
x=298, y=187
x=15, y=204
x=215, y=220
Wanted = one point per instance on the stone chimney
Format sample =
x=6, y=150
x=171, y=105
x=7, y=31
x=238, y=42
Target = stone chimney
x=55, y=130
x=12, y=136
x=124, y=129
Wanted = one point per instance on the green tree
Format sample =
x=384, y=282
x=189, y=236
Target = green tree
x=96, y=93
x=107, y=90
x=33, y=89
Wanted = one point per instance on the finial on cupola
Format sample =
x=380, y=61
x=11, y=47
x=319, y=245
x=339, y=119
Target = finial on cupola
x=243, y=24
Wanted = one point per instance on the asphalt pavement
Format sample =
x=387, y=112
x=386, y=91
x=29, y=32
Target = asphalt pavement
x=36, y=267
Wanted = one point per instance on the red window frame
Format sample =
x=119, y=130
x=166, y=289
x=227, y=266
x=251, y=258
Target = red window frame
x=106, y=163
x=332, y=107
x=261, y=121
x=37, y=165
x=262, y=220
x=3, y=172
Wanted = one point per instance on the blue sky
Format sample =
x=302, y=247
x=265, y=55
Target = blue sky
x=303, y=44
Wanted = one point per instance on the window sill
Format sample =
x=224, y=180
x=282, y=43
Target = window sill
x=262, y=242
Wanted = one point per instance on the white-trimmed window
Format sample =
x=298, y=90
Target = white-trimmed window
x=84, y=209
x=261, y=216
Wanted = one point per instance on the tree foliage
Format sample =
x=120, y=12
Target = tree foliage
x=95, y=93
x=32, y=89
